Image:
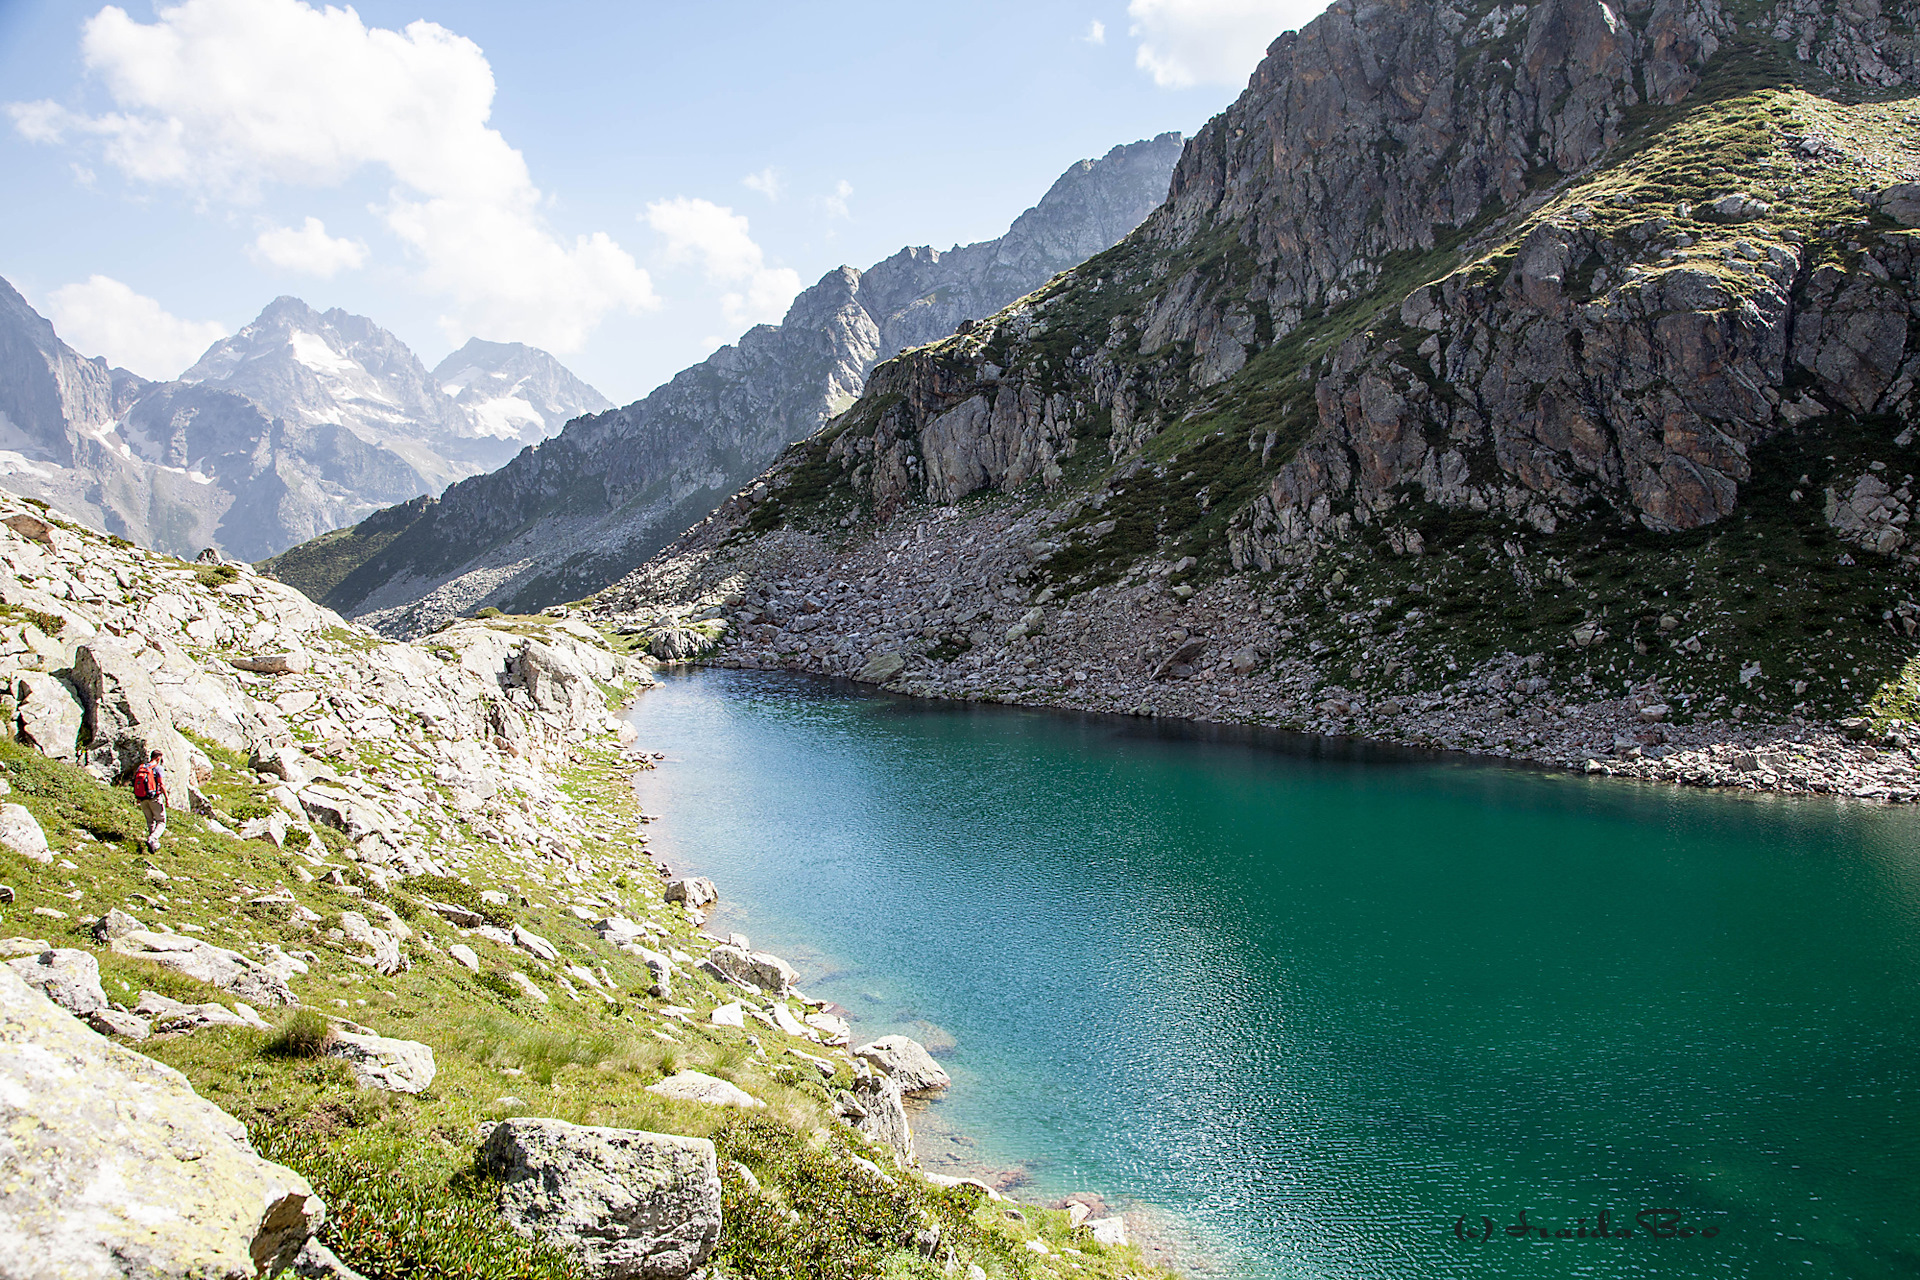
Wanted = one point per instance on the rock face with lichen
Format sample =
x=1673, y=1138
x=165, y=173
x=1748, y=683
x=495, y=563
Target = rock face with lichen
x=627, y=1205
x=117, y=1168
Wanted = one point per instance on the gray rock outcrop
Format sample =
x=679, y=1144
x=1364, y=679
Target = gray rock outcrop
x=126, y=718
x=67, y=976
x=875, y=1108
x=50, y=714
x=228, y=970
x=628, y=1205
x=755, y=969
x=134, y=1174
x=905, y=1061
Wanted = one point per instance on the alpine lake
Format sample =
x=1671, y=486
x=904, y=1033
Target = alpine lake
x=1307, y=1008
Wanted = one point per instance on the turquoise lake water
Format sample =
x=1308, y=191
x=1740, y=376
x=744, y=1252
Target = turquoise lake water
x=1309, y=1010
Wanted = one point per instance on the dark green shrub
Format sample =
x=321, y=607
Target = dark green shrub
x=216, y=575
x=387, y=1221
x=496, y=981
x=460, y=894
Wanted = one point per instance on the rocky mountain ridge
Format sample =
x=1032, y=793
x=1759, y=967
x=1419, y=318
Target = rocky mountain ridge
x=301, y=422
x=401, y=990
x=1535, y=379
x=566, y=518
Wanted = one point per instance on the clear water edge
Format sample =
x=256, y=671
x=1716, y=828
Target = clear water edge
x=1308, y=1005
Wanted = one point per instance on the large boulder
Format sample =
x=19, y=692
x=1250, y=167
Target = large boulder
x=628, y=1205
x=697, y=893
x=67, y=976
x=51, y=714
x=906, y=1061
x=379, y=1062
x=131, y=1173
x=228, y=970
x=881, y=667
x=755, y=969
x=698, y=1086
x=678, y=644
x=20, y=832
x=126, y=718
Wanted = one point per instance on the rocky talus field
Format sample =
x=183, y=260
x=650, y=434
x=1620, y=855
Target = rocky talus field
x=1536, y=380
x=401, y=992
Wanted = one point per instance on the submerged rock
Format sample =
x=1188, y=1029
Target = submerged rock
x=626, y=1204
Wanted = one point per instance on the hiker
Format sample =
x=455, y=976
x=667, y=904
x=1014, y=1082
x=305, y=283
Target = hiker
x=150, y=789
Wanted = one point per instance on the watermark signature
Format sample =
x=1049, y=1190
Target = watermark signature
x=1648, y=1224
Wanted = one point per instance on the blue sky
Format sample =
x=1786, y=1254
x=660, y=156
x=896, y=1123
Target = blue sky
x=625, y=184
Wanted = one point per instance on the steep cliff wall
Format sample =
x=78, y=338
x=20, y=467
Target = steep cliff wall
x=1572, y=331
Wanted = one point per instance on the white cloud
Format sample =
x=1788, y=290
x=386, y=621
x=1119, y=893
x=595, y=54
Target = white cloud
x=224, y=97
x=1096, y=32
x=836, y=204
x=309, y=250
x=718, y=239
x=103, y=317
x=1189, y=42
x=766, y=182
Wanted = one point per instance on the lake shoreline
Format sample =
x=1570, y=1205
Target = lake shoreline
x=1805, y=760
x=1169, y=1251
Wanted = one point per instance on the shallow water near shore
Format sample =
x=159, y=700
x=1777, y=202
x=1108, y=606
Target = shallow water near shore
x=1319, y=1010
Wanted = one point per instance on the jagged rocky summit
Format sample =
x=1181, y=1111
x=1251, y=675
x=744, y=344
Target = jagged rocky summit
x=1536, y=379
x=301, y=422
x=569, y=516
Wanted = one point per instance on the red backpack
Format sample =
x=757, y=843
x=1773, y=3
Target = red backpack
x=143, y=781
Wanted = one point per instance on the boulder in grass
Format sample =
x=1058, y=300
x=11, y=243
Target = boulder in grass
x=67, y=976
x=228, y=970
x=381, y=1062
x=626, y=1204
x=698, y=1086
x=20, y=832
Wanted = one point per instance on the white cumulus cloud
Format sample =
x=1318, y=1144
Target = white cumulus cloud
x=1189, y=42
x=766, y=182
x=1096, y=32
x=103, y=317
x=719, y=241
x=836, y=204
x=224, y=97
x=309, y=250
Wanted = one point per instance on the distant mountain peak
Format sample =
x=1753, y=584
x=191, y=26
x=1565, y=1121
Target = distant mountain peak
x=614, y=487
x=301, y=422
